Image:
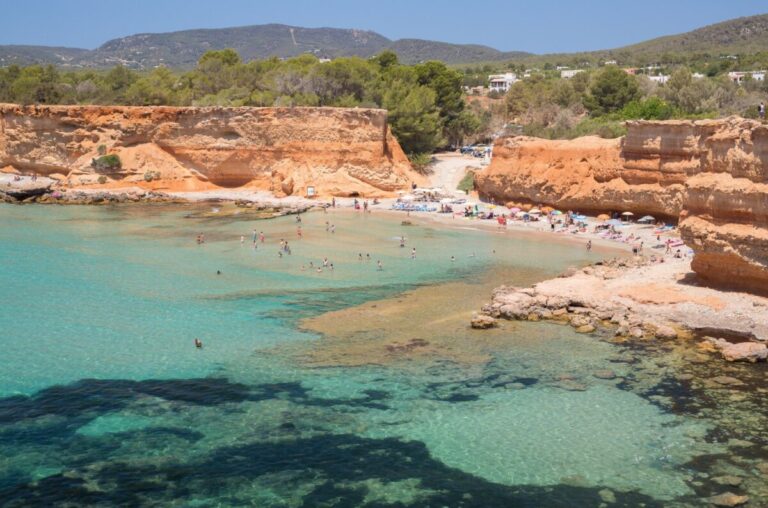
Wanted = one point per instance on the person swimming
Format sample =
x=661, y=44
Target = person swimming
x=379, y=266
x=402, y=241
x=413, y=253
x=453, y=258
x=218, y=272
x=360, y=256
x=198, y=343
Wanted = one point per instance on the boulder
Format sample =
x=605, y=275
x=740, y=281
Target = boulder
x=588, y=328
x=744, y=352
x=578, y=321
x=728, y=499
x=727, y=381
x=665, y=332
x=604, y=374
x=607, y=496
x=482, y=321
x=728, y=480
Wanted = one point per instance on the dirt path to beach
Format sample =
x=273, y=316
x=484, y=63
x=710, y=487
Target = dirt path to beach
x=449, y=169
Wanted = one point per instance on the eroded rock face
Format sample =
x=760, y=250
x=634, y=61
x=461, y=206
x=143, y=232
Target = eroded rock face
x=338, y=151
x=711, y=174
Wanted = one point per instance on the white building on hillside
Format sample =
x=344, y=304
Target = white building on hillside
x=738, y=76
x=569, y=73
x=660, y=79
x=501, y=82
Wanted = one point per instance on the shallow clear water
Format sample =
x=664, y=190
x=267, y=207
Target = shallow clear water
x=104, y=399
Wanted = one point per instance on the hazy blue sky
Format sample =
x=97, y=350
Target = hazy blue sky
x=539, y=26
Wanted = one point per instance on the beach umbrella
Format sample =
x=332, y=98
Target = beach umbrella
x=534, y=211
x=408, y=197
x=580, y=217
x=557, y=212
x=614, y=222
x=627, y=214
x=446, y=201
x=603, y=216
x=514, y=209
x=547, y=209
x=647, y=218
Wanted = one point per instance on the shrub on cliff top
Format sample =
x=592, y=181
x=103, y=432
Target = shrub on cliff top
x=109, y=162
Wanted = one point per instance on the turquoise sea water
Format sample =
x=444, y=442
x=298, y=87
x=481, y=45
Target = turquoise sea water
x=104, y=400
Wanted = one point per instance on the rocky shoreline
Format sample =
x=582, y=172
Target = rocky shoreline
x=45, y=191
x=640, y=299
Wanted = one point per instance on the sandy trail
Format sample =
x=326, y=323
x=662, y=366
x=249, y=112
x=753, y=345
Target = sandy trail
x=449, y=168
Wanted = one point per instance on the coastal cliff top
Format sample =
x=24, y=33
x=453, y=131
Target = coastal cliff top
x=32, y=108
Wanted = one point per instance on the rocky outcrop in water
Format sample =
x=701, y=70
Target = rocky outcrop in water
x=341, y=151
x=640, y=299
x=711, y=174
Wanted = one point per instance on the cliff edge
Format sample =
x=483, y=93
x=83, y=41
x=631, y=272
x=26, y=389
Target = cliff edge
x=337, y=151
x=711, y=174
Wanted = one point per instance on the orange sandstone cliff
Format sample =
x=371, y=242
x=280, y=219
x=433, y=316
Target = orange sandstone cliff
x=712, y=174
x=339, y=151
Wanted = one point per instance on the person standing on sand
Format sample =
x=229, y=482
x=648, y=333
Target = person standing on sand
x=589, y=245
x=333, y=228
x=333, y=202
x=761, y=111
x=242, y=239
x=261, y=236
x=298, y=231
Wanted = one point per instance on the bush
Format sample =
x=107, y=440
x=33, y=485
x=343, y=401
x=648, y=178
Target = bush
x=151, y=175
x=421, y=162
x=467, y=183
x=652, y=108
x=607, y=127
x=102, y=149
x=102, y=180
x=109, y=162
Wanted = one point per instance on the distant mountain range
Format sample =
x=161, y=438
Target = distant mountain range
x=183, y=49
